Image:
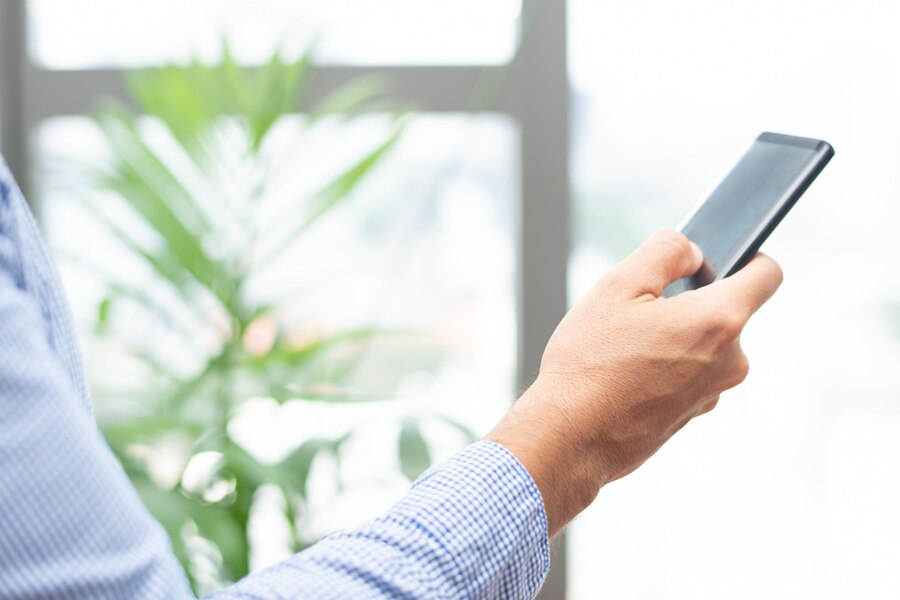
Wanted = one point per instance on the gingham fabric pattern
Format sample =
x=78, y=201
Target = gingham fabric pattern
x=72, y=526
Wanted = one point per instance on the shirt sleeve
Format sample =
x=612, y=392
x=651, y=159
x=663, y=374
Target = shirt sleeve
x=474, y=527
x=72, y=526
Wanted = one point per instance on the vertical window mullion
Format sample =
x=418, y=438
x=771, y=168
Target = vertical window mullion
x=542, y=91
x=13, y=118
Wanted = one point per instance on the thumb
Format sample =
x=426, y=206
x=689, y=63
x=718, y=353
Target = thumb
x=665, y=257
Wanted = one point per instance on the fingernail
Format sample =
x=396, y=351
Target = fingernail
x=697, y=251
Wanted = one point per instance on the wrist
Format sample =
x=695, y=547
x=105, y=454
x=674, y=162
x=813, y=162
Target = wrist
x=545, y=433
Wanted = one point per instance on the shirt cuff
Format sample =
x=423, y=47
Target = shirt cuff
x=472, y=527
x=489, y=515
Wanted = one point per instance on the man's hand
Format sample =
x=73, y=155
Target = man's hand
x=627, y=368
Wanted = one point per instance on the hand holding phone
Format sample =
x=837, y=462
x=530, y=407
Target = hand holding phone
x=732, y=224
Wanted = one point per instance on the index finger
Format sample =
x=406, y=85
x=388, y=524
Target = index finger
x=748, y=289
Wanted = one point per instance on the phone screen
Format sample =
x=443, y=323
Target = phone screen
x=732, y=223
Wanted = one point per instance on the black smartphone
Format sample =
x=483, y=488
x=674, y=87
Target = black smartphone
x=745, y=208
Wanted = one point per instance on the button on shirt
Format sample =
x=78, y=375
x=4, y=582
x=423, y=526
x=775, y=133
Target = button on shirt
x=71, y=524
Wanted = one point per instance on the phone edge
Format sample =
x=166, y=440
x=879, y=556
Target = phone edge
x=825, y=152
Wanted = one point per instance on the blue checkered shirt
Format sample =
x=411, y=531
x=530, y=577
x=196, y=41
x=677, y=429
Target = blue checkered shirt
x=72, y=526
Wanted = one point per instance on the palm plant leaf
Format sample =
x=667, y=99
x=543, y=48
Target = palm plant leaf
x=133, y=177
x=413, y=450
x=333, y=193
x=188, y=215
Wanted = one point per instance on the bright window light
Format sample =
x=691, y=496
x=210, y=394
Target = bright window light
x=67, y=34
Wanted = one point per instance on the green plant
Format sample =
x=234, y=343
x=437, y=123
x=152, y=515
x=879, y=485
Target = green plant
x=188, y=193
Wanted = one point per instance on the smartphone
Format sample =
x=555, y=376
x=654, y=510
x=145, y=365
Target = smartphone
x=745, y=208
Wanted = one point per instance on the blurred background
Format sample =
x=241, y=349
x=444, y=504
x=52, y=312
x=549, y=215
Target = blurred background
x=316, y=246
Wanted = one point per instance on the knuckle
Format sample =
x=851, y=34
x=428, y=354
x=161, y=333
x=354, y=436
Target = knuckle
x=613, y=276
x=741, y=369
x=614, y=279
x=777, y=273
x=674, y=239
x=732, y=325
x=710, y=404
x=772, y=270
x=727, y=324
